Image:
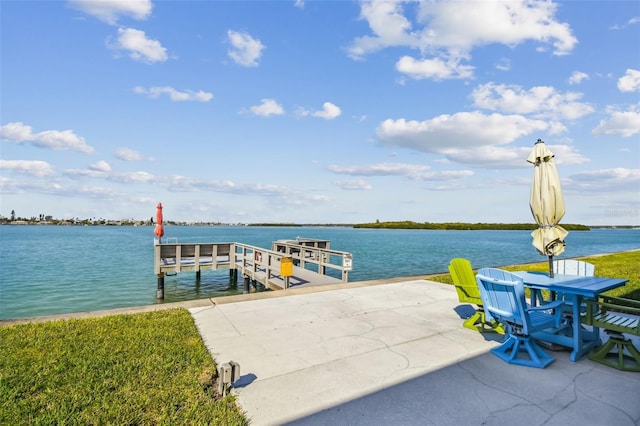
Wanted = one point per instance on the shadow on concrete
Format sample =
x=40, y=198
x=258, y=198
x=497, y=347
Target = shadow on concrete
x=484, y=390
x=245, y=380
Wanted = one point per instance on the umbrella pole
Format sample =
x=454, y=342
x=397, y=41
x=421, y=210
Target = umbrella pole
x=551, y=266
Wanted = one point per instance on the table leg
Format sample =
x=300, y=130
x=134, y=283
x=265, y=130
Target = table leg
x=583, y=340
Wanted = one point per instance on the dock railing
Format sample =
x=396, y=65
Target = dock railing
x=257, y=263
x=308, y=251
x=254, y=263
x=178, y=257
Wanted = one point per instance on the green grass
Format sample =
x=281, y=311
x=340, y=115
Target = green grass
x=618, y=265
x=148, y=368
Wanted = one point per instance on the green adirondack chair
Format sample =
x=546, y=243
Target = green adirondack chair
x=617, y=316
x=467, y=288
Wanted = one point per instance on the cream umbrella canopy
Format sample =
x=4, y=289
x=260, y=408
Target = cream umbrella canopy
x=547, y=204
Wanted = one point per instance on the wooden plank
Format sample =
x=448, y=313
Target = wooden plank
x=214, y=257
x=301, y=277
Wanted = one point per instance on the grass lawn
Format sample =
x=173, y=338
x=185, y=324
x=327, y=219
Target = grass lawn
x=148, y=368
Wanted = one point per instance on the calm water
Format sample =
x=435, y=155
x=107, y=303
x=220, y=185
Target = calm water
x=54, y=269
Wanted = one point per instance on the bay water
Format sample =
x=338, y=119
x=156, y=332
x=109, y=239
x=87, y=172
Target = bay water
x=46, y=270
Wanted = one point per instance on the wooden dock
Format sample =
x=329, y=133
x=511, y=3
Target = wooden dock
x=289, y=263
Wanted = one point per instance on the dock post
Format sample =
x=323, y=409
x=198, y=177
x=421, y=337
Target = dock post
x=198, y=275
x=233, y=278
x=246, y=284
x=160, y=291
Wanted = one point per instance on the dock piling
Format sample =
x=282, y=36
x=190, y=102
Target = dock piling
x=246, y=284
x=233, y=277
x=160, y=290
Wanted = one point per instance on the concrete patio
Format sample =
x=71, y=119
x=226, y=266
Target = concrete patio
x=396, y=353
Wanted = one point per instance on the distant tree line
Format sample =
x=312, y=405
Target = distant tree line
x=407, y=224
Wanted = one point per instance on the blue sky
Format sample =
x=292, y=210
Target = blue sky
x=318, y=111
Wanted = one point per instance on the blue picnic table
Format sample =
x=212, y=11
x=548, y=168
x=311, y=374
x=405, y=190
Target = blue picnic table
x=573, y=289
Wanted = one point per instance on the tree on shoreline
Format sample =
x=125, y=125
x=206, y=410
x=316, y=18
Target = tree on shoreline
x=407, y=224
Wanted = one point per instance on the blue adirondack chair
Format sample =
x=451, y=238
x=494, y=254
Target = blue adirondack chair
x=504, y=300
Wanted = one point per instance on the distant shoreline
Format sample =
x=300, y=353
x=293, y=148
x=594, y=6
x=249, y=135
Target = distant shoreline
x=445, y=226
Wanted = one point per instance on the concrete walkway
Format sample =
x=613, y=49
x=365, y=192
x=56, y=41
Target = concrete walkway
x=397, y=354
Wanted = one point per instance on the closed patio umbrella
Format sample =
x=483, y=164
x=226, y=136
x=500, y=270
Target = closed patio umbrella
x=547, y=204
x=159, y=231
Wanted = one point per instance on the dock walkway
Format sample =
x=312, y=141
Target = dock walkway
x=289, y=263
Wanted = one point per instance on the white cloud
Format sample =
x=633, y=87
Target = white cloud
x=623, y=123
x=245, y=50
x=34, y=167
x=329, y=111
x=217, y=185
x=567, y=154
x=133, y=177
x=109, y=10
x=542, y=101
x=175, y=95
x=100, y=166
x=86, y=173
x=460, y=130
x=179, y=183
x=389, y=26
x=578, y=77
x=446, y=175
x=50, y=139
x=615, y=180
x=285, y=195
x=449, y=31
x=510, y=157
x=630, y=82
x=504, y=64
x=98, y=170
x=411, y=171
x=267, y=189
x=461, y=26
x=267, y=107
x=42, y=186
x=491, y=156
x=436, y=69
x=127, y=154
x=471, y=138
x=354, y=185
x=380, y=169
x=140, y=47
x=632, y=21
x=98, y=192
x=102, y=170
